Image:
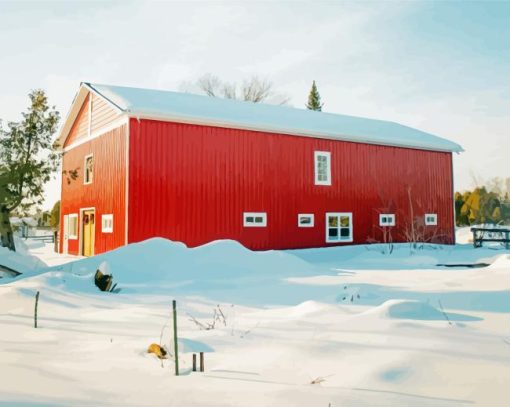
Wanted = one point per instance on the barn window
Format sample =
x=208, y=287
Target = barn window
x=338, y=227
x=88, y=170
x=322, y=168
x=107, y=223
x=305, y=220
x=255, y=219
x=430, y=219
x=73, y=226
x=387, y=219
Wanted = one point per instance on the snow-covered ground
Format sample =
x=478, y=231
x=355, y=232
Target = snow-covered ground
x=369, y=328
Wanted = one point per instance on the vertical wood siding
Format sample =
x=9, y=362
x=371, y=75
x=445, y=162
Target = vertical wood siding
x=107, y=192
x=102, y=114
x=192, y=184
x=80, y=128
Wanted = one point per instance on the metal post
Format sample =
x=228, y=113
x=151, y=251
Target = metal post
x=35, y=310
x=194, y=362
x=176, y=350
x=202, y=367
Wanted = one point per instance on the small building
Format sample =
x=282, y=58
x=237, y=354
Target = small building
x=195, y=169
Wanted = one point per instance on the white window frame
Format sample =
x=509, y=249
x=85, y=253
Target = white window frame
x=252, y=224
x=339, y=240
x=70, y=236
x=390, y=219
x=85, y=170
x=107, y=217
x=306, y=225
x=318, y=154
x=432, y=222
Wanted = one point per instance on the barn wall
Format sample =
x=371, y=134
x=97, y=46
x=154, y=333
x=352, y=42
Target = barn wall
x=192, y=183
x=80, y=128
x=107, y=191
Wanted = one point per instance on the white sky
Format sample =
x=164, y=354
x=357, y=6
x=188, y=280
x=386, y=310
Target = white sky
x=430, y=65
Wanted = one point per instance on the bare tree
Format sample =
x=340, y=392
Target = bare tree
x=254, y=89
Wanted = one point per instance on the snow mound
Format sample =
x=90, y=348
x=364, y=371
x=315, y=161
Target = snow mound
x=417, y=310
x=20, y=261
x=501, y=262
x=165, y=264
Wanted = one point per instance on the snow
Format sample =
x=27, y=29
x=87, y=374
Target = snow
x=373, y=329
x=257, y=116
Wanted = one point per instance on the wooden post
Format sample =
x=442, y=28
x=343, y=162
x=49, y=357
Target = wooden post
x=194, y=362
x=35, y=310
x=202, y=367
x=176, y=350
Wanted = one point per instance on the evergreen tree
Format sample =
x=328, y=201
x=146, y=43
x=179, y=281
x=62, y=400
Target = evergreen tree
x=28, y=158
x=314, y=99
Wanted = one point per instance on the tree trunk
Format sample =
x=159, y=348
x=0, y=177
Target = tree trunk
x=6, y=235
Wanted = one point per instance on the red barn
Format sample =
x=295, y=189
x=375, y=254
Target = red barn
x=195, y=169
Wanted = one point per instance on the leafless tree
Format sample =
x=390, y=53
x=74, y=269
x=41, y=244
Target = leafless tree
x=254, y=89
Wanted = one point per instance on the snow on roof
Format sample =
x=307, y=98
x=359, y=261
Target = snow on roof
x=186, y=107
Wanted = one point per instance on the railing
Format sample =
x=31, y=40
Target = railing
x=488, y=234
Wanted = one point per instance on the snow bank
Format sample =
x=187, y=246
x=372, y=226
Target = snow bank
x=20, y=260
x=161, y=263
x=417, y=310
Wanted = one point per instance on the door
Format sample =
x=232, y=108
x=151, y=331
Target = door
x=339, y=227
x=88, y=227
x=65, y=236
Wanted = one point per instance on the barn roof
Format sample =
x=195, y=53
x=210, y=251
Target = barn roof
x=190, y=108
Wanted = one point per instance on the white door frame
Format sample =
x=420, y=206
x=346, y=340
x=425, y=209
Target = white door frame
x=80, y=223
x=65, y=235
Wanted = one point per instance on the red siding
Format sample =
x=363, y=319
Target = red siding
x=192, y=183
x=107, y=192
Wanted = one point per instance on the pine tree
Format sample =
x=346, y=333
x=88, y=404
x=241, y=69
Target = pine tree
x=28, y=158
x=314, y=99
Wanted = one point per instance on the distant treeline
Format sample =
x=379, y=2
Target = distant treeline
x=485, y=204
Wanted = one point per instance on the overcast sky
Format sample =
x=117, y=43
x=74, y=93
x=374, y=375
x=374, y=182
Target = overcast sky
x=442, y=67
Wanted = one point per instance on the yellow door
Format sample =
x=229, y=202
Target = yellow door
x=88, y=233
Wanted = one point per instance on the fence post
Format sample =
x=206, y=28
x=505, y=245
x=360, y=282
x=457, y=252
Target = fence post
x=35, y=310
x=194, y=362
x=202, y=367
x=176, y=350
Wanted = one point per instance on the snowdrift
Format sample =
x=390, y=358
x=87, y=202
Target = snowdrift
x=20, y=260
x=162, y=264
x=417, y=310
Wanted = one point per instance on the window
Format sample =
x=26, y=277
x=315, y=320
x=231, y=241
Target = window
x=322, y=168
x=255, y=219
x=305, y=220
x=338, y=227
x=107, y=223
x=73, y=226
x=88, y=170
x=430, y=219
x=387, y=219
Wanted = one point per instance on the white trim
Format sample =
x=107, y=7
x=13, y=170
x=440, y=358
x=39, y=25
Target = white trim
x=98, y=133
x=387, y=219
x=107, y=217
x=306, y=225
x=85, y=182
x=126, y=222
x=73, y=216
x=431, y=222
x=338, y=215
x=253, y=224
x=316, y=156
